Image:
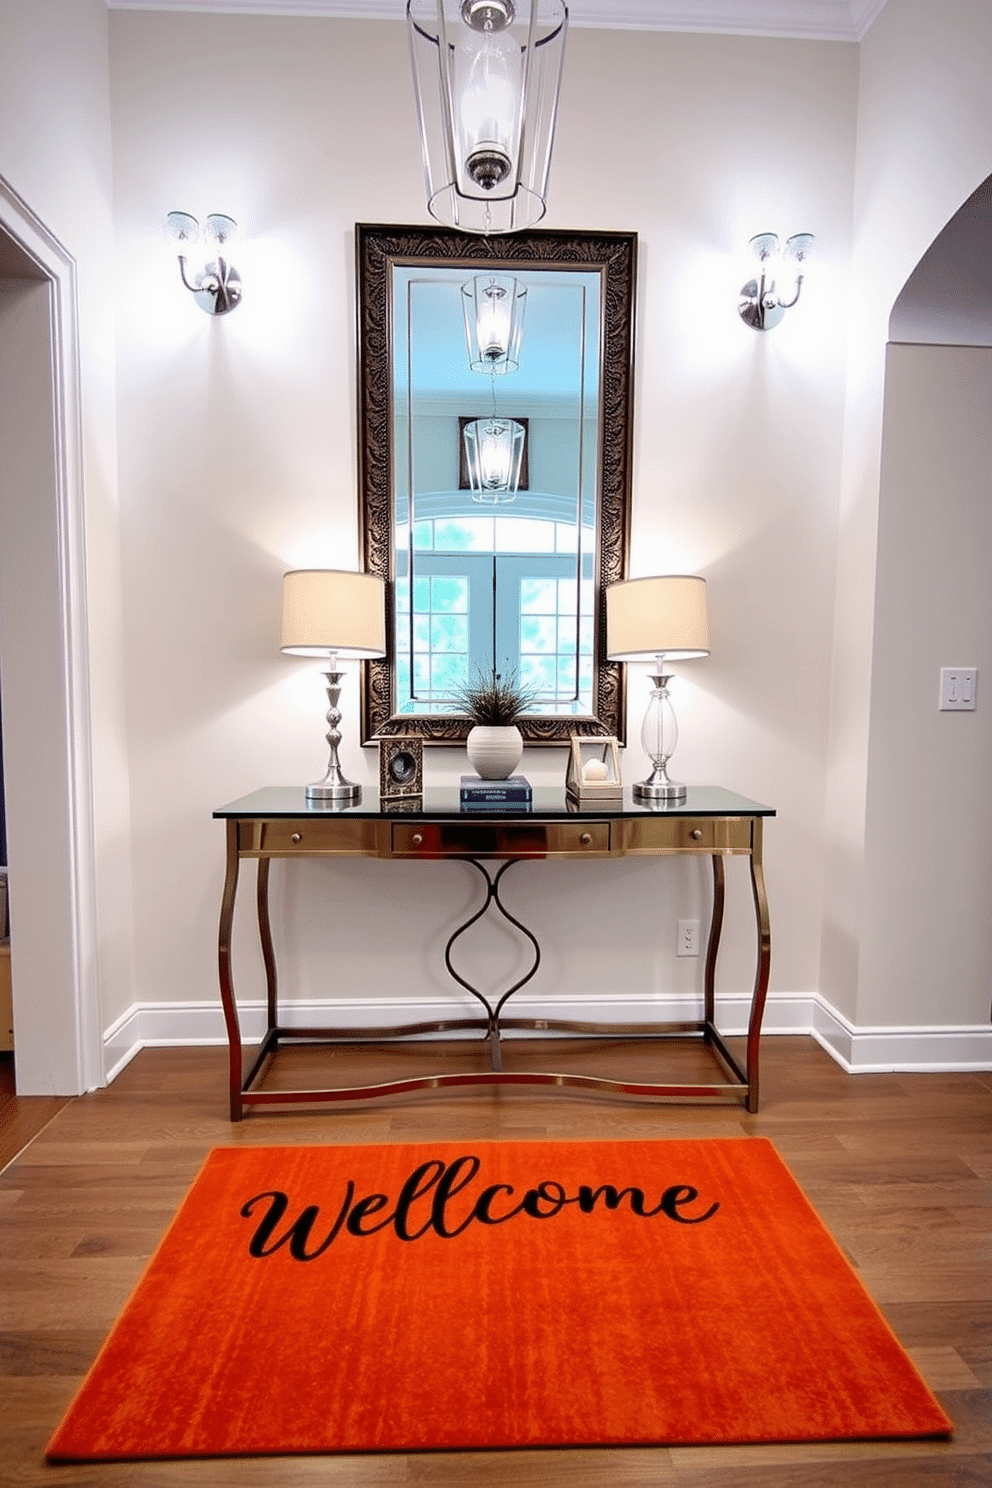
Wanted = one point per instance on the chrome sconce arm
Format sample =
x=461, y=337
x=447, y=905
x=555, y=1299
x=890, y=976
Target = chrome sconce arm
x=761, y=304
x=215, y=284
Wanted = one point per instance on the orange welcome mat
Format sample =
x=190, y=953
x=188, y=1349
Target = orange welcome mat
x=476, y=1294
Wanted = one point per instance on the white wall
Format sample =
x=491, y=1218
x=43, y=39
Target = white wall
x=924, y=145
x=55, y=155
x=237, y=459
x=927, y=944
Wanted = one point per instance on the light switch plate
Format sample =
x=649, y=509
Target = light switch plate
x=958, y=686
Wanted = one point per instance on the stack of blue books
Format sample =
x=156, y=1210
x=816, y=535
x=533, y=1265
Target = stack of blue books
x=513, y=794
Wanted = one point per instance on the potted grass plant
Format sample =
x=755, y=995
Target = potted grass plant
x=494, y=703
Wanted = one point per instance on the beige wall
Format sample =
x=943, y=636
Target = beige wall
x=238, y=459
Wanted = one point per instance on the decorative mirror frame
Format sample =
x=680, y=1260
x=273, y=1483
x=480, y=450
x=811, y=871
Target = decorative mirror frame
x=614, y=255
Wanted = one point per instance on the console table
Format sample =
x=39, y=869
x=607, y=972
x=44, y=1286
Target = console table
x=278, y=822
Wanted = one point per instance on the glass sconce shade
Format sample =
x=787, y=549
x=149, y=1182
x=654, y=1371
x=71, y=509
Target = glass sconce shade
x=494, y=305
x=181, y=230
x=215, y=285
x=493, y=452
x=219, y=231
x=762, y=304
x=487, y=74
x=764, y=246
x=798, y=248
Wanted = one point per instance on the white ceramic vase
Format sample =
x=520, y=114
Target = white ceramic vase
x=494, y=750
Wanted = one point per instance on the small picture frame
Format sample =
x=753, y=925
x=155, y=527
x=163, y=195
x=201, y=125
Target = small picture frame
x=401, y=766
x=592, y=775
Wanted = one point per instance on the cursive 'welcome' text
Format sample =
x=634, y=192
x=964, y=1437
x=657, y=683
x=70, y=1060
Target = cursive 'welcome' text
x=439, y=1198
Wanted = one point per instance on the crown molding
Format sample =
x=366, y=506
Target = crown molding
x=811, y=20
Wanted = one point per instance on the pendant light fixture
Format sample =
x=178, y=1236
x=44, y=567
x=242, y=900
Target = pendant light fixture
x=494, y=449
x=494, y=321
x=487, y=74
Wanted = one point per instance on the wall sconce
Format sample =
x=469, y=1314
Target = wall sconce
x=487, y=74
x=215, y=284
x=762, y=304
x=494, y=307
x=662, y=620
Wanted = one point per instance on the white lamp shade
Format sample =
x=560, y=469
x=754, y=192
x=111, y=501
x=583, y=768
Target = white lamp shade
x=666, y=616
x=329, y=609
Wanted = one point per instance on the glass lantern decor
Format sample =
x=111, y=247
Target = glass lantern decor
x=487, y=75
x=494, y=450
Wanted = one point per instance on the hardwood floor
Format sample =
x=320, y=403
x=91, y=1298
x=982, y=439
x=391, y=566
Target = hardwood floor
x=898, y=1167
x=21, y=1119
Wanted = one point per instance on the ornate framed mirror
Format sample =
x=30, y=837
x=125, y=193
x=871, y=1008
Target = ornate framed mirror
x=495, y=396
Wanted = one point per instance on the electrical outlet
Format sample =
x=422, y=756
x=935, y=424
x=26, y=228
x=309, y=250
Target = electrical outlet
x=687, y=942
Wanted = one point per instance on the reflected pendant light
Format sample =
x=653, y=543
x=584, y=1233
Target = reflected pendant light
x=493, y=452
x=494, y=321
x=487, y=74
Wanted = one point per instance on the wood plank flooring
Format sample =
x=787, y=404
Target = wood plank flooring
x=21, y=1119
x=898, y=1167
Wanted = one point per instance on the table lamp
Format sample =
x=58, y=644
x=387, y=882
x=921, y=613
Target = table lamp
x=660, y=619
x=327, y=613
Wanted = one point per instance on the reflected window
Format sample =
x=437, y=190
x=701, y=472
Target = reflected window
x=509, y=588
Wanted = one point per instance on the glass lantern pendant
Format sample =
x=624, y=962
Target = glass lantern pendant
x=487, y=74
x=493, y=305
x=493, y=452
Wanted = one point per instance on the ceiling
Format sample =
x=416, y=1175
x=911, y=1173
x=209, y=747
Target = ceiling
x=814, y=20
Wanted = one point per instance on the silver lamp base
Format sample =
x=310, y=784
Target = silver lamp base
x=334, y=787
x=658, y=787
x=338, y=791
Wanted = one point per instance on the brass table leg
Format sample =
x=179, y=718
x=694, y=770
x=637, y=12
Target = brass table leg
x=224, y=968
x=764, y=963
x=713, y=944
x=265, y=938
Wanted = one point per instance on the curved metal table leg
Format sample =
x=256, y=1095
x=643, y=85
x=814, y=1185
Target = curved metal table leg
x=763, y=967
x=713, y=944
x=224, y=968
x=265, y=939
x=492, y=1013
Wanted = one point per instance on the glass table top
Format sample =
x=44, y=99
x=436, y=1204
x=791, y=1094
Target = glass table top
x=440, y=801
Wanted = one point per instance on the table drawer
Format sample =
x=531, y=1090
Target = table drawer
x=287, y=836
x=708, y=834
x=489, y=839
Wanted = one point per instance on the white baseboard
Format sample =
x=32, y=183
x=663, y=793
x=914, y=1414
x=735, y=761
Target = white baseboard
x=857, y=1050
x=866, y=1051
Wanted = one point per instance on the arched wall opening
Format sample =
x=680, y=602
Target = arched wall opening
x=926, y=952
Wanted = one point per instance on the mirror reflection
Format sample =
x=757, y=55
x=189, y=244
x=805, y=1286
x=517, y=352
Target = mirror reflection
x=495, y=385
x=496, y=400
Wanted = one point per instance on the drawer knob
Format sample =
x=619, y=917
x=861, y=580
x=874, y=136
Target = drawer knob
x=417, y=839
x=586, y=838
x=296, y=837
x=696, y=834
